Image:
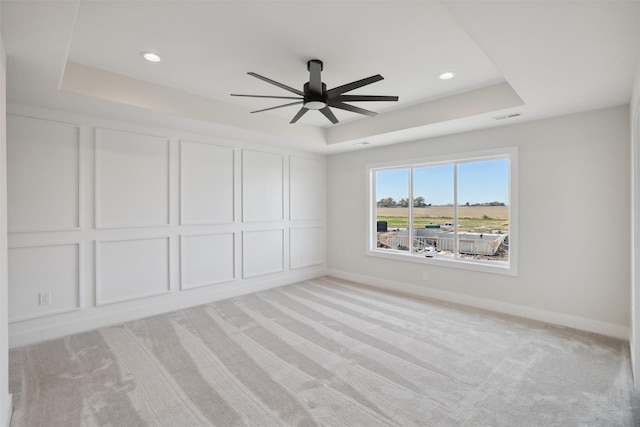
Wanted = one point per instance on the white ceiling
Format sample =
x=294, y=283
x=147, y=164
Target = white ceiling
x=538, y=58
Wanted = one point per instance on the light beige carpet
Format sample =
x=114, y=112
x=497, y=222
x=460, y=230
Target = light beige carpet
x=328, y=353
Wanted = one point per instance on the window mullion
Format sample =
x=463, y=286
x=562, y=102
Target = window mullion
x=411, y=232
x=373, y=214
x=455, y=210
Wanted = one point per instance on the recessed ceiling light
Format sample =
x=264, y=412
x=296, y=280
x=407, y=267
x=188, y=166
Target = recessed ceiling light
x=150, y=56
x=446, y=75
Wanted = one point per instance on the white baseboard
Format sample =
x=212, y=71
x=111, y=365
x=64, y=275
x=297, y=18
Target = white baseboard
x=575, y=322
x=24, y=336
x=19, y=335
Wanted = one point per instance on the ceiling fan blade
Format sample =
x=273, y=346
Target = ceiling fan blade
x=315, y=81
x=329, y=115
x=353, y=98
x=267, y=96
x=298, y=115
x=353, y=109
x=273, y=82
x=279, y=106
x=353, y=85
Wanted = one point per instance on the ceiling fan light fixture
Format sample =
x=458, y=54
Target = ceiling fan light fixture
x=151, y=56
x=314, y=105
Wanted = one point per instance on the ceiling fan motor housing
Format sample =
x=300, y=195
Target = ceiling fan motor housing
x=315, y=101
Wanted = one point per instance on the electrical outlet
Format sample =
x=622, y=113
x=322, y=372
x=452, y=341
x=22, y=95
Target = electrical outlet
x=45, y=298
x=425, y=276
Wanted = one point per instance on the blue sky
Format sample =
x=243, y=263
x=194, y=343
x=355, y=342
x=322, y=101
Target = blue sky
x=478, y=182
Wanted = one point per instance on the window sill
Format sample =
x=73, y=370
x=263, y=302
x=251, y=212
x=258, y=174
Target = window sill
x=502, y=268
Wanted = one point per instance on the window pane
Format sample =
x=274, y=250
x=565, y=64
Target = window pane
x=433, y=210
x=483, y=212
x=453, y=209
x=392, y=212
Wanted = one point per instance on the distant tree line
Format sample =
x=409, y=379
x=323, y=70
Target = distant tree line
x=486, y=204
x=388, y=202
x=419, y=202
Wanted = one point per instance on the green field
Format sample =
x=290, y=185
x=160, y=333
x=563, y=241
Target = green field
x=470, y=218
x=465, y=224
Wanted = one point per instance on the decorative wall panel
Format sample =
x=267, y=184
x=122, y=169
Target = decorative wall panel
x=206, y=183
x=112, y=221
x=262, y=186
x=306, y=197
x=43, y=163
x=50, y=272
x=132, y=179
x=206, y=259
x=262, y=252
x=130, y=269
x=306, y=247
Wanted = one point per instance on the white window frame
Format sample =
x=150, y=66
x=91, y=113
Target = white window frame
x=507, y=268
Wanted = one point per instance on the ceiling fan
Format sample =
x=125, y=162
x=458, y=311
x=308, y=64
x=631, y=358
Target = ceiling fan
x=315, y=95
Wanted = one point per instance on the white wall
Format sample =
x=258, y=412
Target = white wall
x=635, y=226
x=118, y=221
x=5, y=397
x=574, y=183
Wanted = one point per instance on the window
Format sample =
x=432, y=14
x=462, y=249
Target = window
x=457, y=211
